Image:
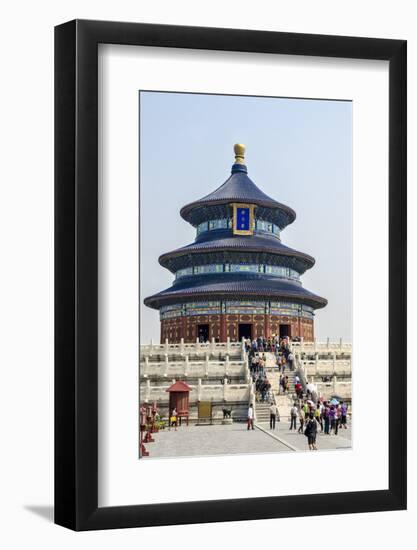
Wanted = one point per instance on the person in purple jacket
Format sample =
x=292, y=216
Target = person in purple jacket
x=333, y=419
x=343, y=414
x=326, y=418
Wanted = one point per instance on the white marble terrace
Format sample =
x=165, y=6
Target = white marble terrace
x=205, y=364
x=321, y=360
x=192, y=349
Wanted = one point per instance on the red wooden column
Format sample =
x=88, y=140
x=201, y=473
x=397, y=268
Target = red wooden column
x=267, y=328
x=183, y=333
x=223, y=330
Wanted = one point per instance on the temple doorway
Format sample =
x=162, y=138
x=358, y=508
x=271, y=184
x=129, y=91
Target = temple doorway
x=203, y=333
x=245, y=331
x=284, y=331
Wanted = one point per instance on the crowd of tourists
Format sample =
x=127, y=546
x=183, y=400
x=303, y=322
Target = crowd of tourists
x=280, y=347
x=257, y=363
x=262, y=344
x=309, y=414
x=272, y=344
x=327, y=417
x=262, y=388
x=324, y=416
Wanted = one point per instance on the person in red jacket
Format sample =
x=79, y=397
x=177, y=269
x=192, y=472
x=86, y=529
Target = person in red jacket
x=298, y=390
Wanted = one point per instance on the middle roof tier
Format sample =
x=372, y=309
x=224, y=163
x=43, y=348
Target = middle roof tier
x=225, y=247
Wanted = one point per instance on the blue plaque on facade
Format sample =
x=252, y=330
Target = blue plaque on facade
x=243, y=219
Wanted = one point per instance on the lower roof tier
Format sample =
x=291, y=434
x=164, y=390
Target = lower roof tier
x=236, y=288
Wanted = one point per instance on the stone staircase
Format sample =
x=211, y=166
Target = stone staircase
x=283, y=402
x=262, y=411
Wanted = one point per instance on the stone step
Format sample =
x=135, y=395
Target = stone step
x=283, y=402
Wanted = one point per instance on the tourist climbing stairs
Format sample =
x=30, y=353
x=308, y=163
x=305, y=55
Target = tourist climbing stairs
x=284, y=402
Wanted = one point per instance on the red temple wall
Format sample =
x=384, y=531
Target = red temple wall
x=227, y=325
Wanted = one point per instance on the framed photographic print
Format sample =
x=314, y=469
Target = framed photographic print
x=230, y=275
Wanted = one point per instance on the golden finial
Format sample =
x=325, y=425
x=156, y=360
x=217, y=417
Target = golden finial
x=239, y=153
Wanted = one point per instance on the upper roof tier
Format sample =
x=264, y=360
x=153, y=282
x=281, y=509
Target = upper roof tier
x=238, y=188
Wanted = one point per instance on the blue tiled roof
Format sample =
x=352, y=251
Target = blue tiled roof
x=235, y=288
x=237, y=188
x=235, y=243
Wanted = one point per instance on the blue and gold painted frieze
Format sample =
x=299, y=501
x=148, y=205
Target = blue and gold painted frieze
x=243, y=219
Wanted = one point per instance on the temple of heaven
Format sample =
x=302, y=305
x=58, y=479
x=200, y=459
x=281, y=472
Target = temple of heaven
x=236, y=280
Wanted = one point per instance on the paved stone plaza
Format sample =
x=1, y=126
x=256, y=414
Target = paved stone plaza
x=236, y=439
x=212, y=440
x=299, y=441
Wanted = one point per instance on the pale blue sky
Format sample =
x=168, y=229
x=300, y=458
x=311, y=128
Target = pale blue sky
x=298, y=151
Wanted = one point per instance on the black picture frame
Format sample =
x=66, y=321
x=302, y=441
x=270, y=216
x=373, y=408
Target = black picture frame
x=76, y=272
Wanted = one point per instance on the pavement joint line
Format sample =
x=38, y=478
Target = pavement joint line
x=276, y=437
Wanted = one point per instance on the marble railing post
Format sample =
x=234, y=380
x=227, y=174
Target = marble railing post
x=166, y=364
x=148, y=391
x=226, y=369
x=225, y=388
x=207, y=365
x=213, y=345
x=186, y=365
x=334, y=362
x=199, y=390
x=182, y=346
x=228, y=344
x=252, y=399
